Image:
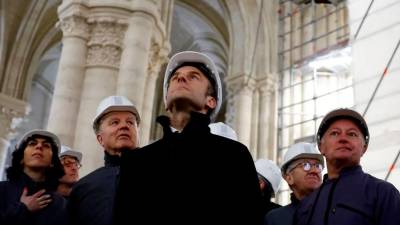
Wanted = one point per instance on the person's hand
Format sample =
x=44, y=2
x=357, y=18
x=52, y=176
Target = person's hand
x=36, y=201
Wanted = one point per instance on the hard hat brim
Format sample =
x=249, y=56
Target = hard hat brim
x=75, y=154
x=117, y=108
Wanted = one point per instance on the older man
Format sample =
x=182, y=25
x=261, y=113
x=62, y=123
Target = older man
x=190, y=176
x=348, y=195
x=116, y=128
x=71, y=161
x=301, y=168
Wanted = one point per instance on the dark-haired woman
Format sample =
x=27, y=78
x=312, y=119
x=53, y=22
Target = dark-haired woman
x=28, y=196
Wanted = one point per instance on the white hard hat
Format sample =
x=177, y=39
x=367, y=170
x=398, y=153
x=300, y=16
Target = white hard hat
x=299, y=151
x=223, y=130
x=190, y=56
x=270, y=171
x=67, y=151
x=42, y=133
x=112, y=104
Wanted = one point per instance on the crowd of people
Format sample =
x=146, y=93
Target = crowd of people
x=198, y=172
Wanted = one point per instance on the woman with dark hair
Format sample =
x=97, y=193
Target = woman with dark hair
x=28, y=196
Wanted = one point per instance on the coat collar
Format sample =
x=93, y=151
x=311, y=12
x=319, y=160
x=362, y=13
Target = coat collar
x=111, y=160
x=198, y=123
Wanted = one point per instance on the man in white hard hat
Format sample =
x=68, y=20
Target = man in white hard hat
x=302, y=169
x=71, y=161
x=182, y=178
x=348, y=195
x=116, y=128
x=270, y=179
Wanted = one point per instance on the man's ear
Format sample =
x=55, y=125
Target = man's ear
x=321, y=150
x=211, y=102
x=99, y=139
x=289, y=179
x=365, y=146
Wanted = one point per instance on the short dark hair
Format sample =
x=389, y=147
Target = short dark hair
x=54, y=173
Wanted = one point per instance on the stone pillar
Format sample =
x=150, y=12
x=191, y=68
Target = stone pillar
x=266, y=142
x=65, y=104
x=10, y=109
x=135, y=58
x=104, y=52
x=240, y=100
x=157, y=59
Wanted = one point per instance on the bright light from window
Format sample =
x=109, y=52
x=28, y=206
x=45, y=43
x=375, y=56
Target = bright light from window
x=331, y=61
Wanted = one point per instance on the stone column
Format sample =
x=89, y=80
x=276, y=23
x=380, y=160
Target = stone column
x=240, y=100
x=135, y=58
x=65, y=104
x=158, y=57
x=266, y=142
x=104, y=52
x=10, y=109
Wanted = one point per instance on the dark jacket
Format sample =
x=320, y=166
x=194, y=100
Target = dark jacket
x=266, y=204
x=92, y=198
x=14, y=212
x=192, y=177
x=354, y=197
x=283, y=215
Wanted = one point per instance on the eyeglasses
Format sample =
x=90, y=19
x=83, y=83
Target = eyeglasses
x=306, y=166
x=68, y=163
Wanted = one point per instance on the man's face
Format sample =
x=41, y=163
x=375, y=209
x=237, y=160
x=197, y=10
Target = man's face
x=301, y=181
x=188, y=86
x=118, y=131
x=343, y=143
x=37, y=154
x=71, y=168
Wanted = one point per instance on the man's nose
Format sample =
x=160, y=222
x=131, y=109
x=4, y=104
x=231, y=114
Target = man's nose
x=181, y=77
x=125, y=125
x=343, y=137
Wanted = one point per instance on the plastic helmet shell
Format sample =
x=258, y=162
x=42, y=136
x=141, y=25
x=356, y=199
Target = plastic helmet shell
x=223, y=130
x=43, y=133
x=270, y=171
x=114, y=104
x=67, y=151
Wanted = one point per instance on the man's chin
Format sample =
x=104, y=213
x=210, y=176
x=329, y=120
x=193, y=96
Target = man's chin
x=182, y=103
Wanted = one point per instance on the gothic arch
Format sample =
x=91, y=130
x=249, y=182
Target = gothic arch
x=36, y=34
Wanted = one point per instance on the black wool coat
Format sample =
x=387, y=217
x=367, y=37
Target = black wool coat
x=192, y=177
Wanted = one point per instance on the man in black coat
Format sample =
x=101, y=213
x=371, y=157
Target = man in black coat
x=116, y=128
x=190, y=176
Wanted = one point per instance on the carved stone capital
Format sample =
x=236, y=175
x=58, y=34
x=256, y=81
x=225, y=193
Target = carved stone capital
x=242, y=84
x=10, y=110
x=74, y=26
x=267, y=85
x=105, y=44
x=237, y=86
x=158, y=56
